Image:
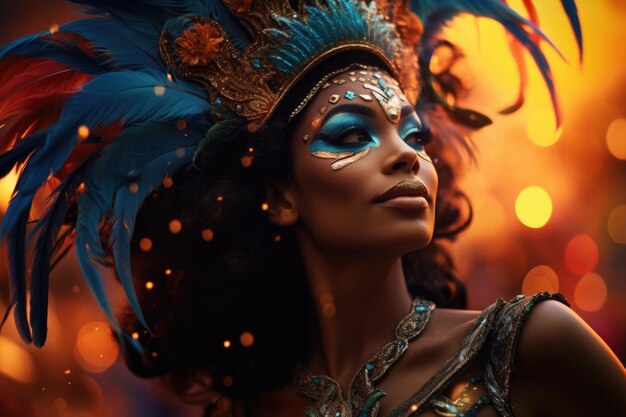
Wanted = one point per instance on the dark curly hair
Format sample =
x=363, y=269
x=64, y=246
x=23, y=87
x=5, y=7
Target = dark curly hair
x=229, y=271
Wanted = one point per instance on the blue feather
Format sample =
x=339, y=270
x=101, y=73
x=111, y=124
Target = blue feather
x=20, y=152
x=127, y=96
x=47, y=229
x=572, y=14
x=17, y=274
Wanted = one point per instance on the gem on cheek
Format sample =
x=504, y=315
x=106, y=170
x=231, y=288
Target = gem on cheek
x=316, y=122
x=323, y=110
x=305, y=138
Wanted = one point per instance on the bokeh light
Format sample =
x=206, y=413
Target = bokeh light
x=15, y=362
x=533, y=207
x=541, y=127
x=540, y=278
x=616, y=138
x=590, y=292
x=581, y=254
x=95, y=349
x=246, y=339
x=616, y=224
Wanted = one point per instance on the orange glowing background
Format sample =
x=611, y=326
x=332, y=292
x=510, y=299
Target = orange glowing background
x=549, y=211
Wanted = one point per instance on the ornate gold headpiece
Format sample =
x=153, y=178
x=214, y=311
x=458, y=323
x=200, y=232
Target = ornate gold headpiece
x=248, y=63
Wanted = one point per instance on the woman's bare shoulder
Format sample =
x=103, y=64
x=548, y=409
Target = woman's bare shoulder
x=564, y=367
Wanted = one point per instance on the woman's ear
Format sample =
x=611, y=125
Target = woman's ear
x=280, y=196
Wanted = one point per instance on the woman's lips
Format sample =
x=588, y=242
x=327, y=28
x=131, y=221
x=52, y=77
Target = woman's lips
x=407, y=194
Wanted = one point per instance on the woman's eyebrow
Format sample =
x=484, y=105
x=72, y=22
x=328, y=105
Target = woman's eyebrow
x=405, y=111
x=351, y=108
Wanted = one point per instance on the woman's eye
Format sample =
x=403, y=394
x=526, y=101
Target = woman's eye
x=353, y=138
x=418, y=138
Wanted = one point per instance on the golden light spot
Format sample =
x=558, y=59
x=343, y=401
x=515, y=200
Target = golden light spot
x=149, y=285
x=135, y=335
x=83, y=132
x=581, y=254
x=533, y=207
x=180, y=152
x=67, y=372
x=168, y=272
x=226, y=344
x=265, y=206
x=616, y=138
x=207, y=235
x=228, y=381
x=154, y=354
x=250, y=149
x=159, y=90
x=540, y=278
x=16, y=362
x=616, y=224
x=414, y=407
x=246, y=161
x=220, y=198
x=133, y=187
x=246, y=339
x=168, y=182
x=252, y=127
x=169, y=77
x=590, y=292
x=145, y=244
x=181, y=124
x=175, y=226
x=541, y=127
x=286, y=215
x=277, y=238
x=95, y=348
x=54, y=28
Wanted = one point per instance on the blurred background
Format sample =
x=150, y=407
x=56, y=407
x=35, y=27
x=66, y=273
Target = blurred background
x=549, y=210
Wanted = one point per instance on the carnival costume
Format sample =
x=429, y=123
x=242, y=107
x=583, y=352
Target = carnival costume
x=106, y=108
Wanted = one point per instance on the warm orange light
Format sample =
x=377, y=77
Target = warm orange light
x=590, y=292
x=533, y=207
x=616, y=138
x=226, y=344
x=246, y=339
x=83, y=132
x=16, y=362
x=145, y=244
x=581, y=254
x=220, y=198
x=133, y=187
x=95, y=349
x=168, y=182
x=149, y=285
x=228, y=381
x=180, y=152
x=541, y=127
x=181, y=124
x=168, y=272
x=207, y=235
x=616, y=224
x=7, y=184
x=135, y=335
x=540, y=278
x=246, y=161
x=54, y=28
x=175, y=226
x=265, y=206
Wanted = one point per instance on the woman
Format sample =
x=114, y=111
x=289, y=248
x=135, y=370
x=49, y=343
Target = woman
x=291, y=198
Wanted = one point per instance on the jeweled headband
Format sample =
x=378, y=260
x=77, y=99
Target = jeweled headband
x=108, y=108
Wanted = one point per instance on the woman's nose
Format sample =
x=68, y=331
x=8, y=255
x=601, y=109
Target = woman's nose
x=401, y=157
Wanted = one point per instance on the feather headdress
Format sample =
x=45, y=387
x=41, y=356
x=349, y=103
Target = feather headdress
x=96, y=107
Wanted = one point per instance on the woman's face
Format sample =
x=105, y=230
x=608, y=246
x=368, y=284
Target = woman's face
x=355, y=141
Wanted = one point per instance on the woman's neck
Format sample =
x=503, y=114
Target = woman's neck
x=359, y=301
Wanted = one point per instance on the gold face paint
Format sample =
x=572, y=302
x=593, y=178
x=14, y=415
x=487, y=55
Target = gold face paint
x=342, y=158
x=390, y=104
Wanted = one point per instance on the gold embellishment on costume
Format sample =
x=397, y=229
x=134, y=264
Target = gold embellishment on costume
x=391, y=105
x=199, y=45
x=244, y=81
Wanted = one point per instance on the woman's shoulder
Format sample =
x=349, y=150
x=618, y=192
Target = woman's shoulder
x=560, y=366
